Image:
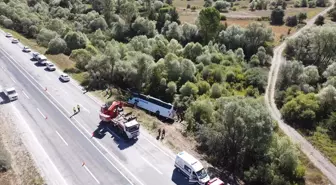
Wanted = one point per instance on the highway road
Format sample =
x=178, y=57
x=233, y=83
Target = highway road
x=45, y=104
x=315, y=156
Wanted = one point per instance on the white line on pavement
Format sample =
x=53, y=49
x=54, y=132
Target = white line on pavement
x=84, y=108
x=25, y=94
x=150, y=164
x=159, y=148
x=12, y=79
x=61, y=138
x=40, y=113
x=15, y=63
x=91, y=174
x=33, y=137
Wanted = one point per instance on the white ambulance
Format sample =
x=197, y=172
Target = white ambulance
x=192, y=168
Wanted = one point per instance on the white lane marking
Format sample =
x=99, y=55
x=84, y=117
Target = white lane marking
x=25, y=94
x=64, y=91
x=33, y=137
x=159, y=148
x=15, y=63
x=87, y=169
x=62, y=138
x=47, y=77
x=41, y=113
x=12, y=79
x=84, y=108
x=150, y=164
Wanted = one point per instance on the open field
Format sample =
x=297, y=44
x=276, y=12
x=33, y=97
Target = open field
x=176, y=138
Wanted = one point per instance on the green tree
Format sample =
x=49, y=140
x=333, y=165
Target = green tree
x=199, y=113
x=189, y=89
x=319, y=20
x=241, y=131
x=301, y=111
x=301, y=17
x=277, y=16
x=81, y=57
x=45, y=36
x=291, y=21
x=75, y=40
x=128, y=11
x=209, y=23
x=56, y=46
x=216, y=91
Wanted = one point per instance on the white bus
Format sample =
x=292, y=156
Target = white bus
x=154, y=105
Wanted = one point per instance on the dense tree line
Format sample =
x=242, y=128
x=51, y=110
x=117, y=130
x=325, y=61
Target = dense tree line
x=307, y=95
x=200, y=68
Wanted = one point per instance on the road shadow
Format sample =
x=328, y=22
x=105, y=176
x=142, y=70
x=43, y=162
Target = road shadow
x=178, y=178
x=121, y=140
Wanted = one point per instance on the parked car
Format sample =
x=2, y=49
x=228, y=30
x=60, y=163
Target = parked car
x=35, y=55
x=15, y=41
x=65, y=78
x=26, y=49
x=51, y=66
x=8, y=35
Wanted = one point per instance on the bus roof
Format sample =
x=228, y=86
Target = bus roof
x=151, y=97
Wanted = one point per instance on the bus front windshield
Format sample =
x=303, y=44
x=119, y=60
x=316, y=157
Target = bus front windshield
x=201, y=174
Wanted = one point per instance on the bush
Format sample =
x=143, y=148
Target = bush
x=71, y=70
x=56, y=46
x=291, y=21
x=188, y=6
x=222, y=17
x=193, y=8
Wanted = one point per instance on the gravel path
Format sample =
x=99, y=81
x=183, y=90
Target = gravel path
x=322, y=163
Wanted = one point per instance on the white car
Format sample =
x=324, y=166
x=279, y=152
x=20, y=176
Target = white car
x=11, y=94
x=26, y=49
x=8, y=35
x=15, y=41
x=51, y=66
x=35, y=55
x=65, y=77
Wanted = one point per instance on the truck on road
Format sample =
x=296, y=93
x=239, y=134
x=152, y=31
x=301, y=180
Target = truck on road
x=126, y=124
x=10, y=93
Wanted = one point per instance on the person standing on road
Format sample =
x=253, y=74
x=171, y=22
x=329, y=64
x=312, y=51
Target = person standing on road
x=159, y=133
x=78, y=108
x=74, y=109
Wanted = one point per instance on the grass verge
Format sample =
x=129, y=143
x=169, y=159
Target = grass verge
x=321, y=140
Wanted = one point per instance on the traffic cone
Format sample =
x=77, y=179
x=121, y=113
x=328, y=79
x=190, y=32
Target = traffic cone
x=46, y=117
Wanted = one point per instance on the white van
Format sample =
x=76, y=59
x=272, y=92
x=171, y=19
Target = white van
x=41, y=59
x=192, y=168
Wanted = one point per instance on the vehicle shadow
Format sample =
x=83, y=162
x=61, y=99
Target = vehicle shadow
x=38, y=64
x=4, y=99
x=178, y=178
x=46, y=69
x=33, y=60
x=120, y=140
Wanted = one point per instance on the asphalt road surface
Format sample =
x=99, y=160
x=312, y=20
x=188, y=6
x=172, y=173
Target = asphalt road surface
x=45, y=104
x=315, y=156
